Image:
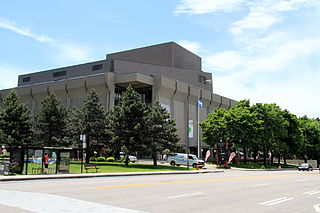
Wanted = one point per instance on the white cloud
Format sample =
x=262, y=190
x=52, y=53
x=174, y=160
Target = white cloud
x=281, y=75
x=224, y=61
x=10, y=25
x=264, y=14
x=298, y=95
x=255, y=20
x=67, y=53
x=10, y=74
x=207, y=6
x=192, y=46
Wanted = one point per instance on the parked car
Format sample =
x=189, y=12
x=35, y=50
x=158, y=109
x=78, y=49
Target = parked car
x=132, y=158
x=181, y=159
x=305, y=166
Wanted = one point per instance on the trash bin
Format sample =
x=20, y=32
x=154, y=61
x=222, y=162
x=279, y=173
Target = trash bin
x=4, y=168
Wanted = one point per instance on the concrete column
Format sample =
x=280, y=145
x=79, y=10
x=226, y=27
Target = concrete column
x=39, y=92
x=77, y=91
x=99, y=84
x=59, y=88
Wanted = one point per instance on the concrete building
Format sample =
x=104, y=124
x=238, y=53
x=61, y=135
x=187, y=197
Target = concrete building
x=167, y=73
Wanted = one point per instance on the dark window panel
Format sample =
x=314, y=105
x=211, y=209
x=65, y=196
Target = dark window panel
x=58, y=74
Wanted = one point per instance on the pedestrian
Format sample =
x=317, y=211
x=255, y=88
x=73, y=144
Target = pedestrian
x=45, y=161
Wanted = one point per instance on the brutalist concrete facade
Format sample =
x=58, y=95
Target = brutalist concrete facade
x=167, y=73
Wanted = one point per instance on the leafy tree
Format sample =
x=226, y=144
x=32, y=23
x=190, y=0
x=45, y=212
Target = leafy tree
x=52, y=122
x=311, y=138
x=273, y=126
x=161, y=131
x=215, y=127
x=90, y=120
x=127, y=124
x=15, y=121
x=294, y=140
x=243, y=126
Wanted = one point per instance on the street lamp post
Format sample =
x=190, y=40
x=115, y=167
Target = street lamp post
x=198, y=117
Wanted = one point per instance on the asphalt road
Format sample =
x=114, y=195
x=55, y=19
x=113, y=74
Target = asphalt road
x=230, y=191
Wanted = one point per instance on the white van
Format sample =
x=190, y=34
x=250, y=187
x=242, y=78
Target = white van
x=181, y=159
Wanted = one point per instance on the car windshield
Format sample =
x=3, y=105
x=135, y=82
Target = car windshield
x=304, y=165
x=194, y=157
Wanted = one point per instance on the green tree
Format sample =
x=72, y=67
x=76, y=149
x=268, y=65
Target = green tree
x=127, y=125
x=311, y=138
x=243, y=126
x=91, y=121
x=52, y=123
x=273, y=127
x=294, y=139
x=15, y=121
x=161, y=131
x=215, y=127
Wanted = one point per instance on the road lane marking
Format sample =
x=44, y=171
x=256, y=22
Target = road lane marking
x=186, y=195
x=197, y=181
x=311, y=192
x=276, y=201
x=317, y=207
x=280, y=201
x=49, y=203
x=262, y=184
x=270, y=201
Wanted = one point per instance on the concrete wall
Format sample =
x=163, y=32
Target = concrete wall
x=183, y=75
x=168, y=54
x=71, y=72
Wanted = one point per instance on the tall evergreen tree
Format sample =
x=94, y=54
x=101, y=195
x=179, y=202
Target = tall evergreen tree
x=90, y=120
x=52, y=123
x=162, y=132
x=15, y=121
x=127, y=125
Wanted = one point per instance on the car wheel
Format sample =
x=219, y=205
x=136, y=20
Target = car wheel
x=172, y=163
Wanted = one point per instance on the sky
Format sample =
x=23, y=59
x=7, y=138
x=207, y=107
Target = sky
x=267, y=51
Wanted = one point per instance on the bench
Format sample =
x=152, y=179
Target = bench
x=39, y=170
x=91, y=166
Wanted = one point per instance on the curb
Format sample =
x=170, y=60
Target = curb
x=91, y=175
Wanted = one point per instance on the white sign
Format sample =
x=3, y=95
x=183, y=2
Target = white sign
x=190, y=129
x=167, y=107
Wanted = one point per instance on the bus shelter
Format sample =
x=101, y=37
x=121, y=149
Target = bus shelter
x=28, y=160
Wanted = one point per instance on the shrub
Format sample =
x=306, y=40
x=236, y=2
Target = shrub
x=5, y=155
x=111, y=159
x=93, y=159
x=101, y=159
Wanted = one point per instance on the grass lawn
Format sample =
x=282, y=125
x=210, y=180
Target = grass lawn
x=106, y=167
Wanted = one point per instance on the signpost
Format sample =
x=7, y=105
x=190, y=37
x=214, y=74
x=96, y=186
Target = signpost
x=198, y=123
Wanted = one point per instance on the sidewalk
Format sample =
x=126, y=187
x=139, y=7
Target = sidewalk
x=88, y=175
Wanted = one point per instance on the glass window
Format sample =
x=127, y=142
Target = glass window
x=202, y=79
x=26, y=79
x=58, y=74
x=97, y=67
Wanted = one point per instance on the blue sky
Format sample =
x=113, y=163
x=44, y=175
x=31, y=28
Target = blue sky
x=264, y=50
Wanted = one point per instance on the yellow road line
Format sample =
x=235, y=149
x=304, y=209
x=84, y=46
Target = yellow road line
x=197, y=181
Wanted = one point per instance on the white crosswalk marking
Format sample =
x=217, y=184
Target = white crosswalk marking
x=276, y=201
x=42, y=202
